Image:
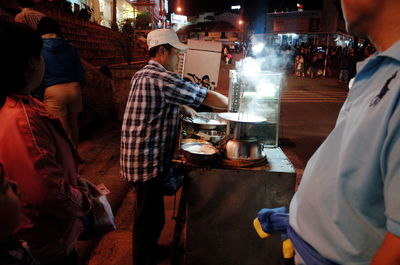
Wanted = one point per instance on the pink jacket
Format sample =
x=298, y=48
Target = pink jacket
x=37, y=154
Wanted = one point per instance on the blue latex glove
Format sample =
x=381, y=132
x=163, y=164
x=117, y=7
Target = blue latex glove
x=269, y=221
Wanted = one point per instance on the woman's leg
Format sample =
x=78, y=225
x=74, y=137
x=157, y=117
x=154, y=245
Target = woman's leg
x=64, y=101
x=73, y=128
x=74, y=107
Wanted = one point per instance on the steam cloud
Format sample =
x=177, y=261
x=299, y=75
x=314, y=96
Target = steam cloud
x=260, y=78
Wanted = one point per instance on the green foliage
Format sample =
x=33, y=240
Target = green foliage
x=127, y=26
x=127, y=41
x=143, y=20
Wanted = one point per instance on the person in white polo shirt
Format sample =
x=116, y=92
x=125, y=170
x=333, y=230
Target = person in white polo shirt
x=149, y=134
x=347, y=207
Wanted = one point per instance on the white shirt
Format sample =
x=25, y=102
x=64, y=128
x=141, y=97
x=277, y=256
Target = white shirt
x=349, y=196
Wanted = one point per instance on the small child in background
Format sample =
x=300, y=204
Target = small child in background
x=299, y=66
x=12, y=252
x=228, y=58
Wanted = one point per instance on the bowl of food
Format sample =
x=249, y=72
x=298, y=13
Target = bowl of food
x=199, y=153
x=212, y=136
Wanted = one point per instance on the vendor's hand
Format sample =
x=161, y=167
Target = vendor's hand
x=188, y=111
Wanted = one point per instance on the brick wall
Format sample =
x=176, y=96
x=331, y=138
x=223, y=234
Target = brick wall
x=96, y=44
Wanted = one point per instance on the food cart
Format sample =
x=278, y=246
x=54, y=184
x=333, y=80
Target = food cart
x=225, y=190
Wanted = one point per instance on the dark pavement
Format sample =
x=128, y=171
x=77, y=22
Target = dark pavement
x=309, y=108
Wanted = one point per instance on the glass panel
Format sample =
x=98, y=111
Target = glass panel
x=257, y=96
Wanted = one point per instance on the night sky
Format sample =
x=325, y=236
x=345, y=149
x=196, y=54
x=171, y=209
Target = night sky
x=253, y=11
x=193, y=7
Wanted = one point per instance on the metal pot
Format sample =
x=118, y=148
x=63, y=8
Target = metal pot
x=203, y=122
x=198, y=158
x=212, y=136
x=244, y=149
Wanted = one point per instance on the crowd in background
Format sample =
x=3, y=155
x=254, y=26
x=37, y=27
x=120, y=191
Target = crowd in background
x=329, y=61
x=313, y=61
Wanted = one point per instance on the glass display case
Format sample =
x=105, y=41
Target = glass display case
x=257, y=96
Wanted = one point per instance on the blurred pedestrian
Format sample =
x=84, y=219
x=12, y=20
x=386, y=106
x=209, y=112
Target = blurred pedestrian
x=63, y=78
x=314, y=68
x=225, y=51
x=346, y=66
x=299, y=65
x=28, y=15
x=228, y=58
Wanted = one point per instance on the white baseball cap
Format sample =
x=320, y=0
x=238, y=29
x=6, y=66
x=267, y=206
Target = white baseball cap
x=165, y=36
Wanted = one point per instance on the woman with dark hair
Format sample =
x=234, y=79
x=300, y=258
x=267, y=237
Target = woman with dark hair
x=36, y=153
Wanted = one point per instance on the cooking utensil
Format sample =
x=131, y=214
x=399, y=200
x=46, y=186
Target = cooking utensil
x=199, y=153
x=210, y=135
x=244, y=149
x=206, y=121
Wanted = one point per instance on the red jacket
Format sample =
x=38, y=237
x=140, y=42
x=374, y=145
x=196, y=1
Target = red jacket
x=37, y=154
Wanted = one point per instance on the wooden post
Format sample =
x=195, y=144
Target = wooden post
x=114, y=25
x=152, y=20
x=357, y=54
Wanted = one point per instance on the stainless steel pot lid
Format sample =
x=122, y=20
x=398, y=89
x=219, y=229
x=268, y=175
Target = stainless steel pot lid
x=241, y=117
x=206, y=118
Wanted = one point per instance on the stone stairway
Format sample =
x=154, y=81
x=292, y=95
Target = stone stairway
x=98, y=45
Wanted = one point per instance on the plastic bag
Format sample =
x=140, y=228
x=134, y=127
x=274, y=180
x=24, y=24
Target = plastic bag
x=100, y=220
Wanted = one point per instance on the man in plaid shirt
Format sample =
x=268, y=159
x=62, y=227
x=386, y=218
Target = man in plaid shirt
x=149, y=133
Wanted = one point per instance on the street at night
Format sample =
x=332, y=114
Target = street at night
x=201, y=132
x=309, y=112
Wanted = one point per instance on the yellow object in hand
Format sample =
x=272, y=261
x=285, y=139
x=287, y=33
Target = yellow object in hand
x=287, y=249
x=257, y=227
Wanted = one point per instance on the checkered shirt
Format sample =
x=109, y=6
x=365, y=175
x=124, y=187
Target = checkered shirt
x=151, y=120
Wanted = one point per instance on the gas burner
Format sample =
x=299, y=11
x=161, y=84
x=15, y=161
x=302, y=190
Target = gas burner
x=224, y=162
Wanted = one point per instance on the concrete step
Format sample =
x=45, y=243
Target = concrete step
x=101, y=155
x=115, y=248
x=100, y=151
